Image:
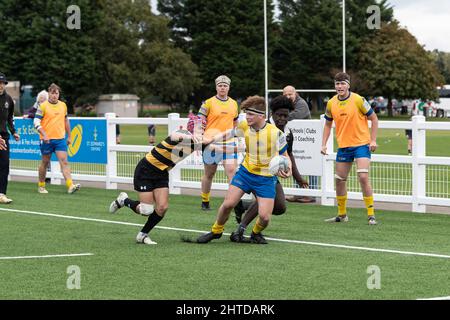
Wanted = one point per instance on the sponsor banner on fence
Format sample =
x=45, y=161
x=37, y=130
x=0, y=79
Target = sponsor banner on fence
x=88, y=141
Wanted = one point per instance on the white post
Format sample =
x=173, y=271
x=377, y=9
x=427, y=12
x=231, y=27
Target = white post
x=327, y=180
x=344, y=63
x=418, y=170
x=266, y=67
x=111, y=166
x=175, y=173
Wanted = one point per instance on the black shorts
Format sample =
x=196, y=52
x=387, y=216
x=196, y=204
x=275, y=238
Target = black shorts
x=147, y=177
x=408, y=133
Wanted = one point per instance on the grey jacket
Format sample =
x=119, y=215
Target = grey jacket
x=301, y=110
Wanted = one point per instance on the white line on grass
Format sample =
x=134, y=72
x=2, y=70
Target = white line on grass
x=48, y=256
x=437, y=298
x=273, y=239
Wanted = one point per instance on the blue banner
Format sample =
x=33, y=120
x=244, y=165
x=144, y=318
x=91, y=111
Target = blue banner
x=88, y=141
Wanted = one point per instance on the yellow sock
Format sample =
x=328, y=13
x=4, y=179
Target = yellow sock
x=69, y=183
x=369, y=205
x=205, y=196
x=41, y=184
x=342, y=205
x=217, y=228
x=257, y=228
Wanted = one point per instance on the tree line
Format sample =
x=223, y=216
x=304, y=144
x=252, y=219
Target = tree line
x=122, y=47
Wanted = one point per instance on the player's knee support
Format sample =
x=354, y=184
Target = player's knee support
x=146, y=209
x=339, y=178
x=362, y=172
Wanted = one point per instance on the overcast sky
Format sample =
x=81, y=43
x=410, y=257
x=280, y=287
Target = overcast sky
x=427, y=20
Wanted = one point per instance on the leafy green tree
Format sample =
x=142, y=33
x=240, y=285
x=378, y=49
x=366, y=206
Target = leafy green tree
x=310, y=46
x=38, y=48
x=394, y=65
x=120, y=47
x=135, y=53
x=310, y=43
x=223, y=37
x=442, y=60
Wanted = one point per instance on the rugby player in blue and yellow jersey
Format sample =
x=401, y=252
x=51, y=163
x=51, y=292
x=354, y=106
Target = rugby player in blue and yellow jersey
x=263, y=141
x=350, y=113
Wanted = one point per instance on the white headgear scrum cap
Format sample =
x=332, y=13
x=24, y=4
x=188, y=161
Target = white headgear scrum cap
x=223, y=79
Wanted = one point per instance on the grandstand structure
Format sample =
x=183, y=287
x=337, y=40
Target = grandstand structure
x=418, y=180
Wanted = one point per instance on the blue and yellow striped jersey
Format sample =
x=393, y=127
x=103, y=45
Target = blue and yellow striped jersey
x=261, y=146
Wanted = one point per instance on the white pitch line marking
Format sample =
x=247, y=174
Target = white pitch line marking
x=437, y=298
x=331, y=245
x=48, y=256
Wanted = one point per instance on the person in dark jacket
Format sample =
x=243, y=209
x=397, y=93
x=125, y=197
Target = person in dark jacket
x=6, y=122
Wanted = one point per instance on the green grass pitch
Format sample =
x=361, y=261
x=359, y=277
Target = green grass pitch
x=121, y=269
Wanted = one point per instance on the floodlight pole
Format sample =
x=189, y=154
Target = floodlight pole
x=266, y=70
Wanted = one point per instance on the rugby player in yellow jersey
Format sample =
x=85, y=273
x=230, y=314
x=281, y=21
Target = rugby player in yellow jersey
x=52, y=124
x=350, y=113
x=151, y=180
x=263, y=141
x=220, y=114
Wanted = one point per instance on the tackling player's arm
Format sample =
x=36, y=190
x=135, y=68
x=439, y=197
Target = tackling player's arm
x=223, y=136
x=180, y=136
x=228, y=149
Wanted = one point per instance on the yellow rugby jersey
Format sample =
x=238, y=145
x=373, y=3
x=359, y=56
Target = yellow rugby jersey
x=261, y=146
x=166, y=154
x=220, y=115
x=53, y=119
x=350, y=116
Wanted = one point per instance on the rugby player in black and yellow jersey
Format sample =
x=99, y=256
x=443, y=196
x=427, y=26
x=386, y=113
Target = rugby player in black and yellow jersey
x=151, y=180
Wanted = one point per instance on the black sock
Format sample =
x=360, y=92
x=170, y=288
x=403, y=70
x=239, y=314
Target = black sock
x=152, y=221
x=132, y=204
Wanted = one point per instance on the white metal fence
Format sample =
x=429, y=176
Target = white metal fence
x=418, y=179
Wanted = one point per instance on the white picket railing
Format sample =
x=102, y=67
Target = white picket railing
x=413, y=188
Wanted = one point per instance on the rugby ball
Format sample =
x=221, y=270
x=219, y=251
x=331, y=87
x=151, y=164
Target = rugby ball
x=278, y=163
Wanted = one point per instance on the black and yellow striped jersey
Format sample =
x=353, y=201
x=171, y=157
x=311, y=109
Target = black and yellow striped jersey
x=168, y=152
